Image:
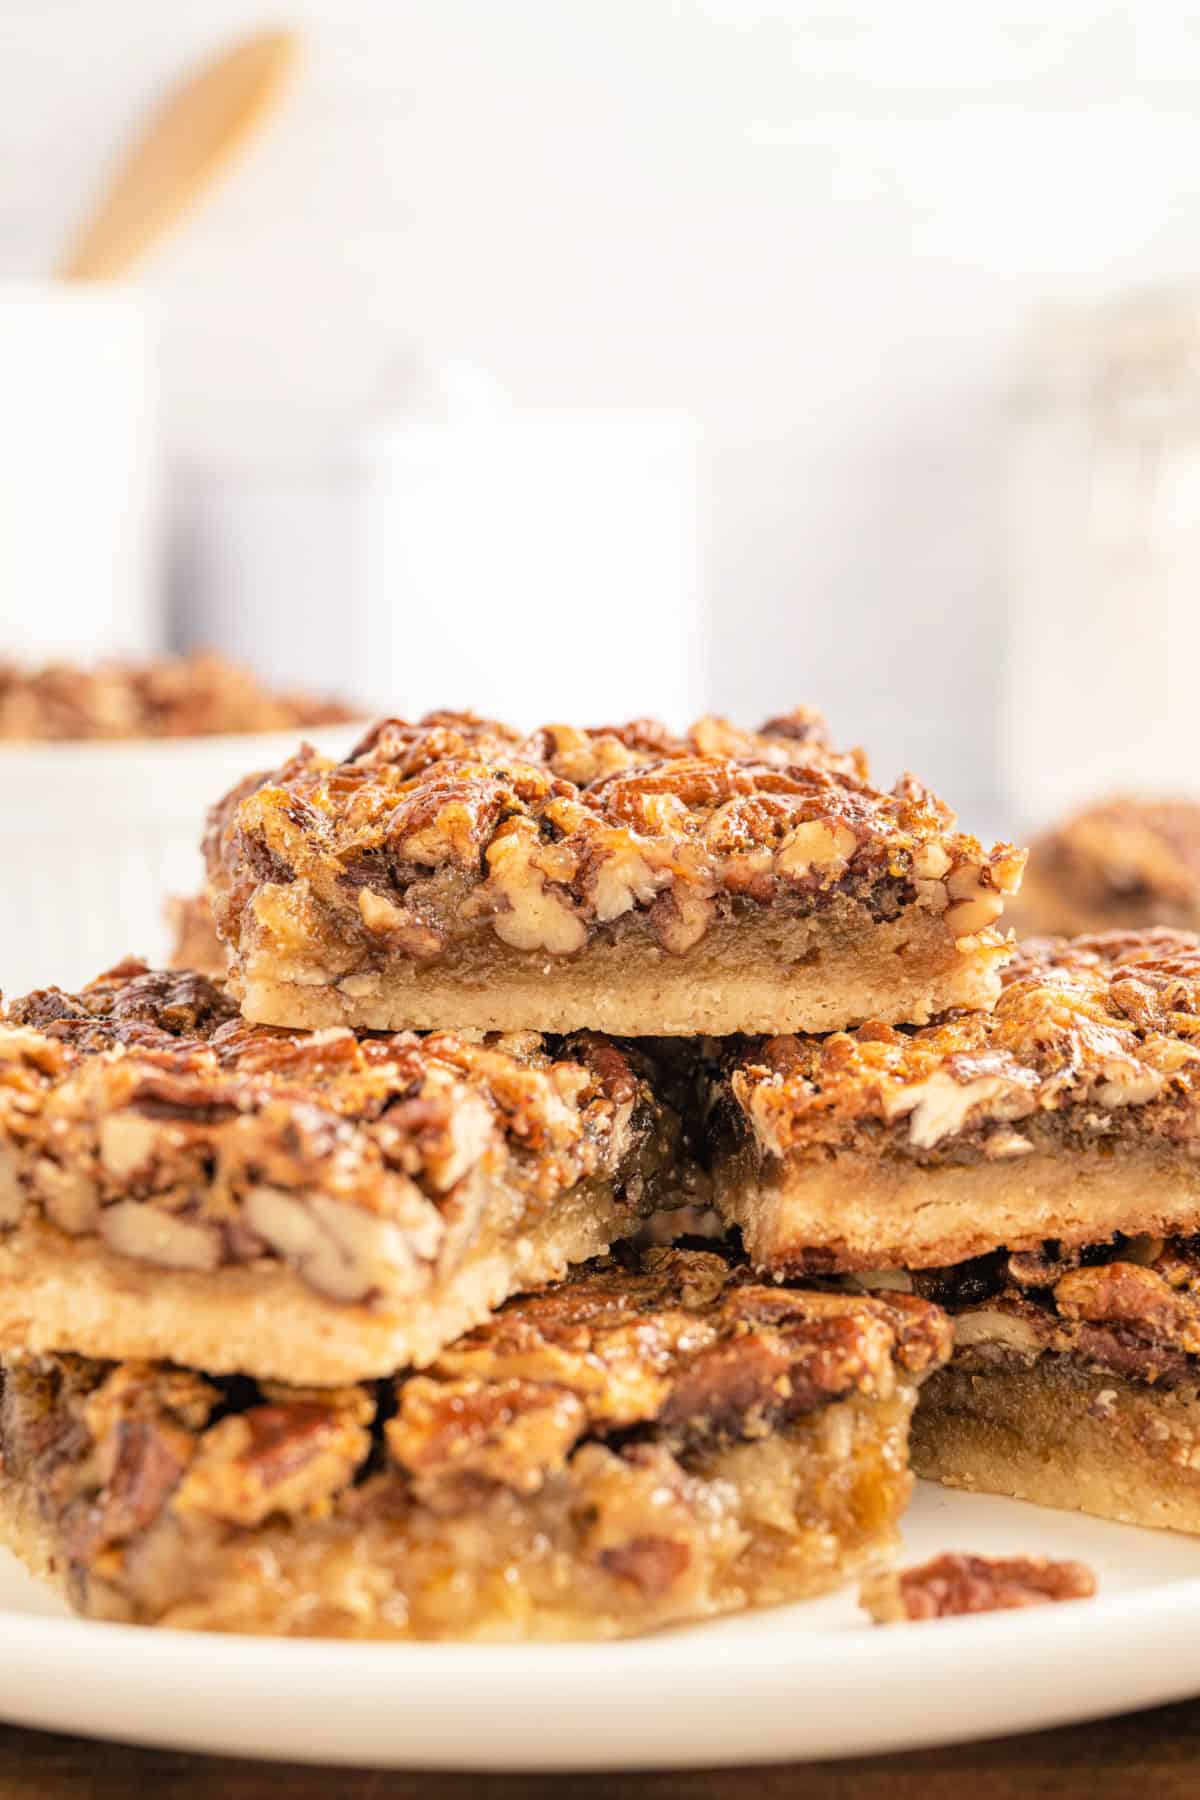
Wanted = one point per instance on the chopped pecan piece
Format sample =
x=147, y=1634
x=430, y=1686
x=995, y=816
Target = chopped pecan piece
x=953, y=1584
x=142, y=1420
x=511, y=1432
x=1121, y=1293
x=652, y=1563
x=292, y=1456
x=1131, y=1307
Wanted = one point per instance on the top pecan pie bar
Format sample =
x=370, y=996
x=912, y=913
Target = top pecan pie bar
x=621, y=879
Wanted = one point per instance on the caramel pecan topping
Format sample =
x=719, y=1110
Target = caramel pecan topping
x=292, y=1456
x=186, y=696
x=1103, y=1032
x=145, y=1111
x=429, y=834
x=1131, y=1308
x=951, y=1585
x=680, y=1339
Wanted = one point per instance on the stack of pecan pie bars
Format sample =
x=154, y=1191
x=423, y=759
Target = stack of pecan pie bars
x=338, y=1290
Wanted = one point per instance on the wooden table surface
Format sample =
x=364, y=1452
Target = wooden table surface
x=1155, y=1753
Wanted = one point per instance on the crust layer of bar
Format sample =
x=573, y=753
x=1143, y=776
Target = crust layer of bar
x=651, y=1442
x=859, y=1212
x=320, y=1208
x=620, y=879
x=1060, y=1436
x=1071, y=1112
x=756, y=972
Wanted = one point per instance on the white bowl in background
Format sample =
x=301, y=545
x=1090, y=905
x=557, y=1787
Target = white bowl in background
x=96, y=836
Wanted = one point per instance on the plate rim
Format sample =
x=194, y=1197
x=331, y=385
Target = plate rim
x=750, y=1681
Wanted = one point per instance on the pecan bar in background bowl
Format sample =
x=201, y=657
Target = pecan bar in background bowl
x=655, y=1440
x=316, y=1208
x=1070, y=1112
x=1120, y=864
x=621, y=879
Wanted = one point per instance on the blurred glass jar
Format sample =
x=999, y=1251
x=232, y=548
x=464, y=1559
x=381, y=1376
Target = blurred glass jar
x=79, y=473
x=1102, y=687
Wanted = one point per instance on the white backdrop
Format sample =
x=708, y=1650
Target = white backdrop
x=820, y=226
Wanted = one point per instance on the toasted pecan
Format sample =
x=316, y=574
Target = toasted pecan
x=682, y=1339
x=953, y=1584
x=1130, y=1308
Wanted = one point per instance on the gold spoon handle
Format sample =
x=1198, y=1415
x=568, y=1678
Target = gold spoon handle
x=183, y=147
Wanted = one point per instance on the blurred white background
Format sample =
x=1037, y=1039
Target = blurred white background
x=820, y=228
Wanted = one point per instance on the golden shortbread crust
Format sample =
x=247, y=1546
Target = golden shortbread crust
x=1062, y=1436
x=768, y=974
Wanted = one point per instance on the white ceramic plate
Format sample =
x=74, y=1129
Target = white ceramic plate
x=806, y=1681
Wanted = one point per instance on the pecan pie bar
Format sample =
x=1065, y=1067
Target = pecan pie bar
x=1125, y=862
x=455, y=872
x=1075, y=1380
x=653, y=1441
x=317, y=1208
x=1072, y=1111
